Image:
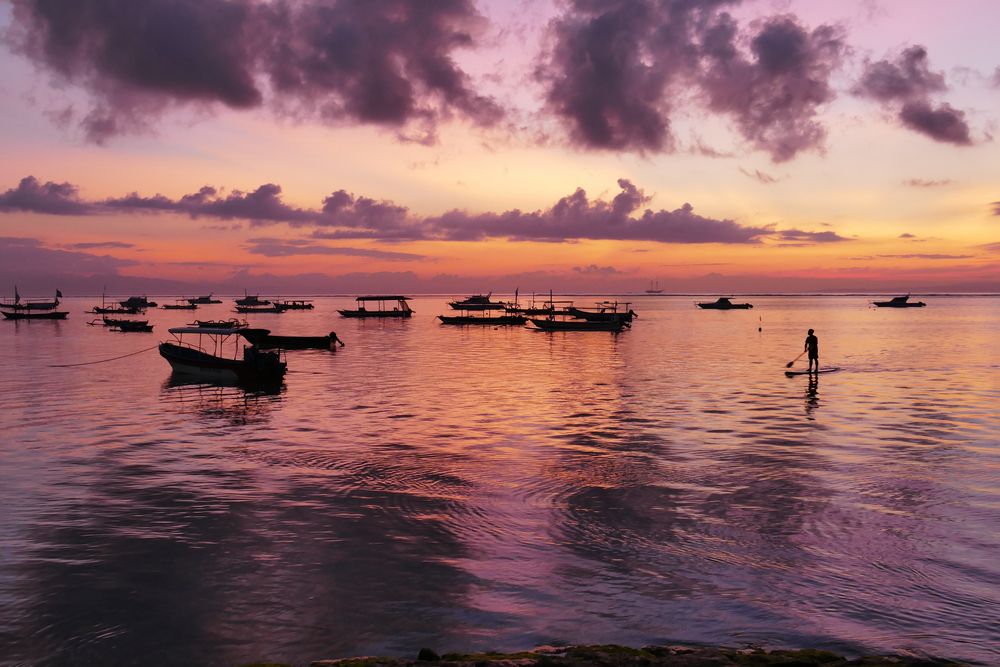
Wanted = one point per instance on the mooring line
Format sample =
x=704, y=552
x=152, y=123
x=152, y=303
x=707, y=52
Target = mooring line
x=101, y=361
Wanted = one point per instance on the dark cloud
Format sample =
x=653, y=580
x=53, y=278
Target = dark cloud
x=595, y=270
x=29, y=255
x=32, y=196
x=759, y=176
x=388, y=63
x=347, y=216
x=614, y=69
x=906, y=85
x=926, y=183
x=926, y=256
x=907, y=235
x=991, y=247
x=99, y=244
x=270, y=247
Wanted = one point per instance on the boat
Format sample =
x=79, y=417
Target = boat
x=265, y=340
x=251, y=300
x=114, y=309
x=132, y=326
x=114, y=322
x=477, y=302
x=137, y=302
x=552, y=324
x=231, y=323
x=36, y=309
x=182, y=304
x=899, y=302
x=294, y=304
x=546, y=308
x=723, y=303
x=401, y=309
x=606, y=311
x=654, y=288
x=269, y=309
x=211, y=362
x=203, y=300
x=485, y=317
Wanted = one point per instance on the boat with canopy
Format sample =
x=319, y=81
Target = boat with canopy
x=209, y=358
x=384, y=307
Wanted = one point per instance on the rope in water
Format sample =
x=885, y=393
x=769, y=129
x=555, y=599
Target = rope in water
x=101, y=361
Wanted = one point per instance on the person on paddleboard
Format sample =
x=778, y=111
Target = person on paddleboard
x=812, y=347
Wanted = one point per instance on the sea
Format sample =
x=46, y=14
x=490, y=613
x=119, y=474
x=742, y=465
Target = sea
x=499, y=488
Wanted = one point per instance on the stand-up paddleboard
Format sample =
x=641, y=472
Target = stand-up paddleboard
x=828, y=369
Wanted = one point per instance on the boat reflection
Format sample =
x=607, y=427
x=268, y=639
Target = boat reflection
x=228, y=401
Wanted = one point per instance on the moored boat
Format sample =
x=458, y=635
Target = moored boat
x=552, y=324
x=251, y=300
x=32, y=309
x=723, y=303
x=483, y=317
x=181, y=304
x=477, y=302
x=606, y=311
x=265, y=340
x=294, y=304
x=34, y=314
x=270, y=309
x=203, y=300
x=132, y=326
x=137, y=302
x=899, y=302
x=400, y=309
x=255, y=366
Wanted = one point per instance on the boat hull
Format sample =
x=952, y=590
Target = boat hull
x=890, y=304
x=732, y=306
x=263, y=339
x=35, y=315
x=578, y=325
x=375, y=313
x=502, y=320
x=190, y=306
x=194, y=363
x=591, y=316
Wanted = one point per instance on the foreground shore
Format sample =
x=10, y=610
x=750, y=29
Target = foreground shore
x=623, y=656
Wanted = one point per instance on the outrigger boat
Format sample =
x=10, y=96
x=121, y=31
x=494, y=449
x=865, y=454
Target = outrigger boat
x=137, y=302
x=485, y=318
x=132, y=326
x=115, y=322
x=116, y=309
x=723, y=303
x=253, y=300
x=477, y=302
x=182, y=304
x=552, y=324
x=15, y=309
x=607, y=311
x=265, y=340
x=272, y=309
x=547, y=307
x=212, y=363
x=203, y=300
x=401, y=309
x=899, y=302
x=294, y=304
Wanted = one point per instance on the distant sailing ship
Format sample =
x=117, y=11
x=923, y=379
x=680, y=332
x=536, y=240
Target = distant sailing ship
x=654, y=288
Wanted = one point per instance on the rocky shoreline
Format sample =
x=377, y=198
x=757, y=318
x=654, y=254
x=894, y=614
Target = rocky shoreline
x=623, y=656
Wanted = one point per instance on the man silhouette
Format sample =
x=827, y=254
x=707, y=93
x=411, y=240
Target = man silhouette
x=812, y=346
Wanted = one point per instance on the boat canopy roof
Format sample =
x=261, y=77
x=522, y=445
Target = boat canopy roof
x=383, y=298
x=211, y=331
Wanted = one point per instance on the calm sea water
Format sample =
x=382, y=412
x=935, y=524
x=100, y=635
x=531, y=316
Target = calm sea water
x=482, y=488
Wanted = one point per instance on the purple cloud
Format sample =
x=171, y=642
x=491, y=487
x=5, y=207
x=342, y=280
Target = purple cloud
x=907, y=235
x=270, y=247
x=31, y=256
x=614, y=69
x=100, y=244
x=386, y=63
x=595, y=270
x=32, y=196
x=759, y=176
x=801, y=237
x=926, y=183
x=996, y=207
x=906, y=85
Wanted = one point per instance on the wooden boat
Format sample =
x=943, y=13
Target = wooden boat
x=722, y=303
x=265, y=340
x=294, y=304
x=251, y=300
x=606, y=311
x=401, y=309
x=484, y=317
x=900, y=302
x=114, y=322
x=203, y=300
x=546, y=308
x=212, y=363
x=477, y=302
x=272, y=309
x=182, y=304
x=552, y=324
x=34, y=314
x=232, y=323
x=113, y=310
x=137, y=302
x=132, y=326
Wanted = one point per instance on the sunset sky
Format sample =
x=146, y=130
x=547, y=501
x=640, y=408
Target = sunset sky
x=355, y=145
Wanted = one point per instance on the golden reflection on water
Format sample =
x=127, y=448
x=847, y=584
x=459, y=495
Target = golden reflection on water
x=479, y=488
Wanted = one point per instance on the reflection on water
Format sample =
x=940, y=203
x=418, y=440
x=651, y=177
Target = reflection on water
x=479, y=488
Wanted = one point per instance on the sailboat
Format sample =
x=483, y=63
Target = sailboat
x=654, y=288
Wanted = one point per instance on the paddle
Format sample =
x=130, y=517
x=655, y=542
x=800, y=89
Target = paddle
x=789, y=364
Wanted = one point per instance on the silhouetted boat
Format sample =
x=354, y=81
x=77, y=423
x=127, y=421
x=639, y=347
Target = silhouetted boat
x=132, y=326
x=579, y=325
x=477, y=302
x=203, y=300
x=606, y=311
x=251, y=300
x=264, y=339
x=36, y=309
x=255, y=366
x=547, y=307
x=35, y=314
x=113, y=310
x=232, y=324
x=484, y=318
x=723, y=303
x=900, y=302
x=401, y=309
x=182, y=304
x=272, y=309
x=654, y=289
x=115, y=322
x=137, y=302
x=294, y=304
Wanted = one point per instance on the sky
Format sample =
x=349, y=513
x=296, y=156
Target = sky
x=350, y=146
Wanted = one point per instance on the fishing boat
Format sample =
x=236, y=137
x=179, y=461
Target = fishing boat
x=534, y=309
x=208, y=359
x=251, y=300
x=484, y=316
x=477, y=302
x=899, y=302
x=272, y=309
x=115, y=322
x=137, y=302
x=32, y=309
x=132, y=326
x=203, y=300
x=113, y=309
x=723, y=303
x=265, y=340
x=231, y=323
x=553, y=324
x=181, y=304
x=654, y=288
x=606, y=311
x=383, y=309
x=294, y=304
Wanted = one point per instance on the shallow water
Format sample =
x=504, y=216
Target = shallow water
x=483, y=488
